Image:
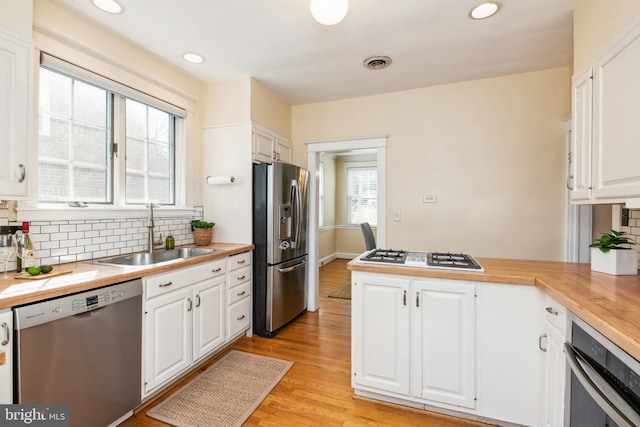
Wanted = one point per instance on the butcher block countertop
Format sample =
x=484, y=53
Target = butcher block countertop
x=87, y=275
x=610, y=304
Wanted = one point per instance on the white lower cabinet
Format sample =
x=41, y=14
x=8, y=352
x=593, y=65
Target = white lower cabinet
x=239, y=295
x=451, y=345
x=380, y=332
x=554, y=363
x=443, y=341
x=6, y=357
x=184, y=316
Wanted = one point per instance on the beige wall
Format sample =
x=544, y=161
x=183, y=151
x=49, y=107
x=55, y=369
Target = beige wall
x=269, y=110
x=227, y=102
x=492, y=150
x=17, y=16
x=595, y=22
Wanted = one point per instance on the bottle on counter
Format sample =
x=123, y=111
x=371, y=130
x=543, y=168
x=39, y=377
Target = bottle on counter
x=26, y=256
x=170, y=242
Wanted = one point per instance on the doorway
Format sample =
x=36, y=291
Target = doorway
x=314, y=149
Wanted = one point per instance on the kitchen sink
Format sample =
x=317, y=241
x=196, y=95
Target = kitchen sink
x=146, y=258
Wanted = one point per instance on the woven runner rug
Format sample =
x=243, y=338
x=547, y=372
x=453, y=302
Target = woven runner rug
x=224, y=395
x=342, y=291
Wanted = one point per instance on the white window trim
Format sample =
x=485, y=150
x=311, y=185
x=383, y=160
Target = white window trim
x=345, y=187
x=32, y=210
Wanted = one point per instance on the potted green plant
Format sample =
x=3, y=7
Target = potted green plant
x=202, y=232
x=612, y=254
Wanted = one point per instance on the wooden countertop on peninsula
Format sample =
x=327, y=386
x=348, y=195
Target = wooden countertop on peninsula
x=89, y=275
x=610, y=304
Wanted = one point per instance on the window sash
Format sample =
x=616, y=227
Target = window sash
x=361, y=193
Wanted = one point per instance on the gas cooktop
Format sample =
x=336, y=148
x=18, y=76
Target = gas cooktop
x=443, y=260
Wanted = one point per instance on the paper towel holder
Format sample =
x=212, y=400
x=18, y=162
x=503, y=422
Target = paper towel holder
x=220, y=180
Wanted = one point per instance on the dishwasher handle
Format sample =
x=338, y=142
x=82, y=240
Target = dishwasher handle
x=600, y=390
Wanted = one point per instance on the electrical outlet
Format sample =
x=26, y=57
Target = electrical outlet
x=396, y=216
x=430, y=198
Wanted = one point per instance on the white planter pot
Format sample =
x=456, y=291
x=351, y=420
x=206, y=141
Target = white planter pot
x=616, y=261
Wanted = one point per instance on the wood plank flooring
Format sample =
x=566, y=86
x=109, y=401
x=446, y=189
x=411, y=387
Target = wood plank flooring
x=317, y=390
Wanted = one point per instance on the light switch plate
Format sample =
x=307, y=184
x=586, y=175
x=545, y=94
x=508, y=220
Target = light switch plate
x=430, y=198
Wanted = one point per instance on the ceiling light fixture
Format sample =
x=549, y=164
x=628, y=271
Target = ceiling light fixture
x=193, y=57
x=109, y=6
x=485, y=10
x=329, y=12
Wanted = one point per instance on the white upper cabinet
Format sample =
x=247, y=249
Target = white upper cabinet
x=605, y=126
x=269, y=147
x=579, y=181
x=16, y=77
x=616, y=128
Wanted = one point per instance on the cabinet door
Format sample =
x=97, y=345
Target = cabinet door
x=443, y=341
x=579, y=180
x=283, y=150
x=208, y=316
x=6, y=357
x=16, y=75
x=168, y=337
x=555, y=376
x=616, y=94
x=263, y=147
x=380, y=332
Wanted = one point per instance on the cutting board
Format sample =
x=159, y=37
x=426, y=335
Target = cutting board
x=41, y=276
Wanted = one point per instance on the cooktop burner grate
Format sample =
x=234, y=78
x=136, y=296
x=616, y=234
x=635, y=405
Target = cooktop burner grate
x=451, y=261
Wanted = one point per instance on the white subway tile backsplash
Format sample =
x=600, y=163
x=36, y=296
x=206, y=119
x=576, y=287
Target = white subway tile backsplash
x=58, y=242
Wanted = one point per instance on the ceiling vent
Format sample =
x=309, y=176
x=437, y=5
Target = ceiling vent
x=377, y=62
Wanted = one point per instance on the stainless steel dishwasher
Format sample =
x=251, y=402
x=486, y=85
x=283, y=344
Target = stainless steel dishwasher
x=83, y=350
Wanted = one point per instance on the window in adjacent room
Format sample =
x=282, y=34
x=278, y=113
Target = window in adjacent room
x=361, y=193
x=102, y=145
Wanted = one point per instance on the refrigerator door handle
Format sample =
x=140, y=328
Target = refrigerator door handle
x=293, y=267
x=296, y=200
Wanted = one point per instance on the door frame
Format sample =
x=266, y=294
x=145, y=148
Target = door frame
x=313, y=160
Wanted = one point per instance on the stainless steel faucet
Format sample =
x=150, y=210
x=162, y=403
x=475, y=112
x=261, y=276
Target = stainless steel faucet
x=151, y=225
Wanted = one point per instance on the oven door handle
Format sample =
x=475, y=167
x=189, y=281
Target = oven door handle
x=600, y=391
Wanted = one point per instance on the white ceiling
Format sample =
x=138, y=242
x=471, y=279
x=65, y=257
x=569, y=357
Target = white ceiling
x=277, y=42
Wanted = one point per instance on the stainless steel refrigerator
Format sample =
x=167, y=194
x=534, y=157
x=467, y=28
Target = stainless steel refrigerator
x=280, y=239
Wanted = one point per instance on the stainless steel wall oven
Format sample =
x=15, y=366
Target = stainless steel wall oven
x=604, y=381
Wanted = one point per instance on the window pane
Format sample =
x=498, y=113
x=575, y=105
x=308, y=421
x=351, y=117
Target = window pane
x=150, y=154
x=362, y=193
x=74, y=140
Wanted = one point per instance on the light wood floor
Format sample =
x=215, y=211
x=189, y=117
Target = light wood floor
x=317, y=390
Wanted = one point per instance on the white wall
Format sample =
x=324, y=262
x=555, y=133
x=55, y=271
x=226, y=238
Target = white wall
x=492, y=150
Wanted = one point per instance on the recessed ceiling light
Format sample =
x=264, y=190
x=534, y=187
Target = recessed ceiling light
x=485, y=10
x=110, y=6
x=194, y=58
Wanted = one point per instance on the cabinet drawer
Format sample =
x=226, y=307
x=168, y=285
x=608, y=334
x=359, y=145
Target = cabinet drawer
x=239, y=292
x=239, y=317
x=238, y=277
x=555, y=314
x=239, y=260
x=171, y=280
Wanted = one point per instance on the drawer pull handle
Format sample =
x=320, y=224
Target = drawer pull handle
x=7, y=333
x=241, y=277
x=198, y=300
x=216, y=270
x=540, y=338
x=190, y=304
x=242, y=261
x=552, y=310
x=404, y=298
x=164, y=285
x=242, y=293
x=417, y=299
x=241, y=317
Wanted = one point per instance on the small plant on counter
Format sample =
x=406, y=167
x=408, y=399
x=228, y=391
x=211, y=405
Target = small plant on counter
x=202, y=224
x=613, y=240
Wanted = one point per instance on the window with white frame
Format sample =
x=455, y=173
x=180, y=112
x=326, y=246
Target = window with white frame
x=102, y=145
x=361, y=180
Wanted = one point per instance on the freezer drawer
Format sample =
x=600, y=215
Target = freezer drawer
x=281, y=297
